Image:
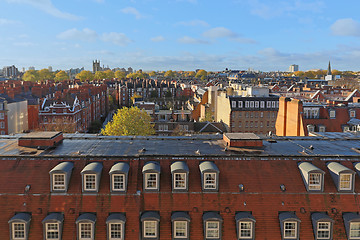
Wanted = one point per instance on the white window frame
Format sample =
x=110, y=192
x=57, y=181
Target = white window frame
x=59, y=187
x=256, y=104
x=246, y=104
x=318, y=230
x=273, y=104
x=13, y=231
x=212, y=230
x=208, y=185
x=147, y=179
x=145, y=234
x=52, y=231
x=240, y=103
x=245, y=229
x=85, y=181
x=315, y=186
x=332, y=114
x=2, y=115
x=262, y=104
x=352, y=113
x=182, y=230
x=184, y=180
x=251, y=104
x=349, y=182
x=121, y=231
x=322, y=129
x=81, y=230
x=356, y=230
x=268, y=104
x=294, y=236
x=233, y=104
x=113, y=181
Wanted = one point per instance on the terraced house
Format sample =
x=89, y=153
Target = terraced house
x=236, y=186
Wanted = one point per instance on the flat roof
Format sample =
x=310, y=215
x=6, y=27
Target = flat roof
x=75, y=145
x=40, y=135
x=242, y=136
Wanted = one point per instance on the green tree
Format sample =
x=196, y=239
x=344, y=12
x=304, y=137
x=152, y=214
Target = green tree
x=85, y=75
x=190, y=74
x=31, y=76
x=99, y=75
x=61, y=76
x=129, y=122
x=120, y=74
x=45, y=74
x=109, y=74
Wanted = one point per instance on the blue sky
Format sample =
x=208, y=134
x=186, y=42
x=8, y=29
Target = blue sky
x=181, y=34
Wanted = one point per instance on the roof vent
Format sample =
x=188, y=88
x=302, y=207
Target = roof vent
x=241, y=187
x=282, y=187
x=311, y=147
x=197, y=152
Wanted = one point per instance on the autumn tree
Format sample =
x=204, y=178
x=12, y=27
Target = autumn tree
x=202, y=74
x=169, y=74
x=109, y=74
x=61, y=76
x=31, y=76
x=129, y=122
x=99, y=75
x=152, y=74
x=45, y=74
x=85, y=75
x=120, y=74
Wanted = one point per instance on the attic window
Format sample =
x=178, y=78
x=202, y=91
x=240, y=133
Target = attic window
x=245, y=225
x=352, y=225
x=60, y=176
x=342, y=176
x=151, y=175
x=313, y=176
x=212, y=225
x=19, y=226
x=180, y=173
x=209, y=176
x=91, y=175
x=322, y=225
x=290, y=225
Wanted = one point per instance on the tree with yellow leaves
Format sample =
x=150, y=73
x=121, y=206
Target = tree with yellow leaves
x=129, y=122
x=61, y=76
x=85, y=75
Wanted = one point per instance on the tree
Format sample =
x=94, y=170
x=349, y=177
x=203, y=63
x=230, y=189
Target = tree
x=31, y=76
x=109, y=74
x=120, y=74
x=201, y=73
x=85, y=75
x=152, y=74
x=191, y=74
x=99, y=75
x=129, y=122
x=61, y=76
x=45, y=74
x=169, y=74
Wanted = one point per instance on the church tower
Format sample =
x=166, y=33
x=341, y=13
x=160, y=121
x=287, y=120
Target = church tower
x=96, y=66
x=329, y=69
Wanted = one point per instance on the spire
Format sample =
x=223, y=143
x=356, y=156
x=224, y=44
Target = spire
x=329, y=69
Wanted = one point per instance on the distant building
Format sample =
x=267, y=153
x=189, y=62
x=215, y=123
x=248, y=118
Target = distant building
x=10, y=71
x=50, y=69
x=329, y=76
x=31, y=68
x=13, y=115
x=294, y=68
x=96, y=66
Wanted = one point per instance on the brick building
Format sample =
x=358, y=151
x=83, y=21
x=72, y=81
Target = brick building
x=89, y=187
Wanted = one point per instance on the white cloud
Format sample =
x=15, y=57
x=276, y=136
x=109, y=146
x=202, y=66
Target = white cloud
x=133, y=11
x=4, y=21
x=23, y=44
x=99, y=1
x=74, y=34
x=48, y=7
x=270, y=10
x=346, y=27
x=158, y=39
x=194, y=23
x=190, y=40
x=116, y=38
x=219, y=32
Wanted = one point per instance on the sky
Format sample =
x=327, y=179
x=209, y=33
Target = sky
x=265, y=35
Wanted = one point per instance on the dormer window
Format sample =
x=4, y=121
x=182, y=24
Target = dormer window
x=342, y=176
x=180, y=222
x=212, y=225
x=209, y=176
x=180, y=173
x=116, y=226
x=332, y=113
x=91, y=175
x=19, y=226
x=150, y=225
x=52, y=225
x=352, y=113
x=245, y=225
x=352, y=225
x=86, y=226
x=151, y=176
x=290, y=225
x=118, y=177
x=322, y=225
x=60, y=176
x=313, y=176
